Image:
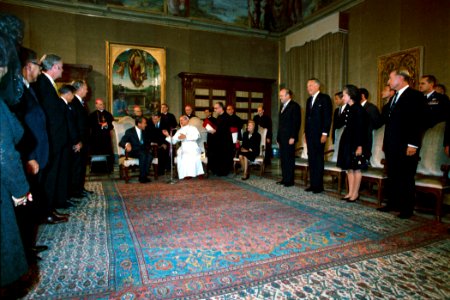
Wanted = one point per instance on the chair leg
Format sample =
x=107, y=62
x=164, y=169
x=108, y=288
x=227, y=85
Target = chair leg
x=439, y=201
x=339, y=182
x=263, y=166
x=155, y=169
x=126, y=175
x=380, y=192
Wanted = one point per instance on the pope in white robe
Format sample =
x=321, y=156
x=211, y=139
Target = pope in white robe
x=189, y=162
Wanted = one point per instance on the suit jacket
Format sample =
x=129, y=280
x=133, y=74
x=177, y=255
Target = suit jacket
x=56, y=113
x=318, y=118
x=289, y=122
x=403, y=123
x=375, y=121
x=74, y=134
x=339, y=119
x=81, y=117
x=168, y=121
x=155, y=135
x=253, y=143
x=34, y=143
x=132, y=137
x=437, y=109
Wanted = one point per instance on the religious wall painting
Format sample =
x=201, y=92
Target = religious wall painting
x=136, y=77
x=410, y=60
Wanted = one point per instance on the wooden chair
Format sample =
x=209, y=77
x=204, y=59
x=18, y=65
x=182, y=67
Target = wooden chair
x=331, y=156
x=433, y=168
x=376, y=173
x=126, y=162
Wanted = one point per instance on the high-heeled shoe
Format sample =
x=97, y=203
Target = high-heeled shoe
x=345, y=198
x=246, y=176
x=353, y=200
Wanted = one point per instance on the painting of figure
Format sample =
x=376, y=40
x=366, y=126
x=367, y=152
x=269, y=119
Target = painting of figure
x=136, y=76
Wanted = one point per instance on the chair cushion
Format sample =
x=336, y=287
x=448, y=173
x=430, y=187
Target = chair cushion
x=128, y=162
x=430, y=182
x=374, y=173
x=97, y=158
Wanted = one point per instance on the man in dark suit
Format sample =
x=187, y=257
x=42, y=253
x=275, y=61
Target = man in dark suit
x=401, y=144
x=290, y=120
x=33, y=148
x=136, y=143
x=265, y=122
x=437, y=105
x=374, y=118
x=56, y=174
x=340, y=115
x=317, y=128
x=168, y=120
x=155, y=133
x=80, y=159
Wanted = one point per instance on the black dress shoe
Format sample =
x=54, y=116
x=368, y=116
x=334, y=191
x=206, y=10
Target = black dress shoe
x=59, y=214
x=281, y=182
x=386, y=208
x=39, y=248
x=405, y=215
x=55, y=220
x=309, y=189
x=144, y=180
x=317, y=191
x=288, y=184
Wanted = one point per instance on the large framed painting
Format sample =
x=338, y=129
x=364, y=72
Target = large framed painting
x=410, y=59
x=136, y=76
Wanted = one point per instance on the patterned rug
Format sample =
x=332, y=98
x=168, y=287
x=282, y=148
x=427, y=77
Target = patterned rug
x=226, y=239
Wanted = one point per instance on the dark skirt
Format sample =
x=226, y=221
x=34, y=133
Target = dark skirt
x=347, y=159
x=251, y=156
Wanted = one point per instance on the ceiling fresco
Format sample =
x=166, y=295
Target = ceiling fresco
x=270, y=15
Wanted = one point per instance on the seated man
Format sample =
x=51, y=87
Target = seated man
x=189, y=163
x=137, y=144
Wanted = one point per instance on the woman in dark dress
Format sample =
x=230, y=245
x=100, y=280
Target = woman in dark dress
x=251, y=143
x=350, y=155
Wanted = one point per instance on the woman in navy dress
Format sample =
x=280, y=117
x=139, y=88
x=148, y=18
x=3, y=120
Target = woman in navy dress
x=251, y=143
x=350, y=154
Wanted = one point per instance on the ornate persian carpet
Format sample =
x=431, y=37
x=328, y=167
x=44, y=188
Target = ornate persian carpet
x=225, y=239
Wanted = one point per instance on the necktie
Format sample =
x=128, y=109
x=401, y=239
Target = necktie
x=56, y=88
x=394, y=100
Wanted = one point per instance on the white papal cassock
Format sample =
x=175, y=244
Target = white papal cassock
x=189, y=163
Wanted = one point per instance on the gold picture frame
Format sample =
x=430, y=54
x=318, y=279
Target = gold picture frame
x=136, y=76
x=409, y=59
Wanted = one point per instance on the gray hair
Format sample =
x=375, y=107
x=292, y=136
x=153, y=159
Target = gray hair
x=49, y=60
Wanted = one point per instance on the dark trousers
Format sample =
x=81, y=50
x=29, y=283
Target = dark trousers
x=30, y=215
x=56, y=180
x=401, y=170
x=145, y=159
x=79, y=162
x=316, y=163
x=287, y=160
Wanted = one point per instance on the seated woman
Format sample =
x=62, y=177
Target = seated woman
x=250, y=148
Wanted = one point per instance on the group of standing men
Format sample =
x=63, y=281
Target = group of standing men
x=406, y=116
